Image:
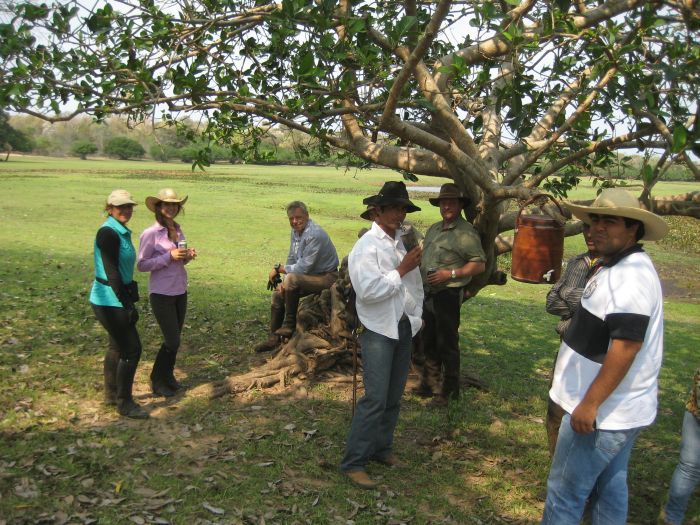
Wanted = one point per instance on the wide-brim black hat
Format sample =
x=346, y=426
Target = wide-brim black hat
x=393, y=192
x=369, y=213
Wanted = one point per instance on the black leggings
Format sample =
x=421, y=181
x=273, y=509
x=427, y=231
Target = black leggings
x=123, y=336
x=169, y=311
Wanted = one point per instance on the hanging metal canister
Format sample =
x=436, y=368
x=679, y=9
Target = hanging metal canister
x=538, y=247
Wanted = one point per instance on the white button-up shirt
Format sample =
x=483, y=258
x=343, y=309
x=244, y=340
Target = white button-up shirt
x=383, y=296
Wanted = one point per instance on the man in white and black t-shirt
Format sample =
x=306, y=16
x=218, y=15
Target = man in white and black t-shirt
x=608, y=364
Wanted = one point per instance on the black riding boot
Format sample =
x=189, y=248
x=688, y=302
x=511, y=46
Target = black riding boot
x=159, y=374
x=125, y=382
x=170, y=372
x=110, y=374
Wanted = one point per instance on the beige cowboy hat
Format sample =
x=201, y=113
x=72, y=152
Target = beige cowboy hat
x=164, y=195
x=120, y=198
x=449, y=191
x=621, y=203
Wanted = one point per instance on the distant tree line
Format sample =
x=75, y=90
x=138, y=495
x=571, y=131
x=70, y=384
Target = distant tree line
x=182, y=142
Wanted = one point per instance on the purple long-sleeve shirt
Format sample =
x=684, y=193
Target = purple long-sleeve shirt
x=168, y=277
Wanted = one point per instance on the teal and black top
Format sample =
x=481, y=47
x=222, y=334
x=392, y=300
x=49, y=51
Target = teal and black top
x=114, y=256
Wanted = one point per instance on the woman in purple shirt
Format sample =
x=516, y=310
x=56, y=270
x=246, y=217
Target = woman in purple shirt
x=163, y=252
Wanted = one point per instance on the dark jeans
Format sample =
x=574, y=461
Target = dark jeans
x=169, y=311
x=441, y=313
x=121, y=327
x=385, y=364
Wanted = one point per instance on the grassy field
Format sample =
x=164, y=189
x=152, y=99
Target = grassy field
x=271, y=457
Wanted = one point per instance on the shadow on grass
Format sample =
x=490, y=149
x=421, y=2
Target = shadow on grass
x=274, y=455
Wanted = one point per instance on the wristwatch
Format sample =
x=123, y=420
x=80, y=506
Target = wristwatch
x=453, y=274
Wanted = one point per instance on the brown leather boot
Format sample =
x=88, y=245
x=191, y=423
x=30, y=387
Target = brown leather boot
x=272, y=341
x=291, y=305
x=361, y=479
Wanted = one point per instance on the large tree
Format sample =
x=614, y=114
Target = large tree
x=502, y=96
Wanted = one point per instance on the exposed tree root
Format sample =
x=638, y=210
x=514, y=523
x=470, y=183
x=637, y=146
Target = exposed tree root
x=321, y=349
x=321, y=344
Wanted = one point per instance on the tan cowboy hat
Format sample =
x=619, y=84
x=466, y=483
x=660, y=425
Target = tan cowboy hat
x=164, y=195
x=120, y=198
x=621, y=203
x=449, y=191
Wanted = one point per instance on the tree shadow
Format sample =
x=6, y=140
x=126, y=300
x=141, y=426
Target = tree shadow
x=483, y=457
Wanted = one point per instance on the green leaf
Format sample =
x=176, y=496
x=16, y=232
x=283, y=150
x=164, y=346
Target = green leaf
x=33, y=12
x=306, y=64
x=680, y=136
x=405, y=24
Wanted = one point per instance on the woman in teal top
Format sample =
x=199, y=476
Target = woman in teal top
x=113, y=295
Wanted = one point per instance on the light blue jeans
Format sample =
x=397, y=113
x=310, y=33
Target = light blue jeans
x=589, y=465
x=687, y=473
x=385, y=364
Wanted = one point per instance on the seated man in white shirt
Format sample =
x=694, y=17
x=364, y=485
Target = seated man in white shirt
x=389, y=304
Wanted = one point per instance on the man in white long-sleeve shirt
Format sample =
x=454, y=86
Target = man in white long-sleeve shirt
x=389, y=303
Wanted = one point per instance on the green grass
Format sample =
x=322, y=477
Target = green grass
x=270, y=456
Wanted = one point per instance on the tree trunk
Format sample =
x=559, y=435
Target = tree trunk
x=319, y=350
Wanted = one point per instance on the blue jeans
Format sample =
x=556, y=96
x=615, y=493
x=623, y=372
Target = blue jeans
x=589, y=465
x=385, y=364
x=687, y=473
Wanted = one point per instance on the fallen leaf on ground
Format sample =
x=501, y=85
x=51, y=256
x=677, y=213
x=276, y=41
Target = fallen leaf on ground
x=214, y=510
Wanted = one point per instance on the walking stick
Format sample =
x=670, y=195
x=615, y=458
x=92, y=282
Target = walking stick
x=354, y=370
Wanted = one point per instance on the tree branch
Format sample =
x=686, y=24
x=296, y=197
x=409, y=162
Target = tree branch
x=622, y=141
x=424, y=43
x=666, y=134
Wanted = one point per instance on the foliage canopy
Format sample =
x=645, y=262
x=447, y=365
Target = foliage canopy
x=501, y=96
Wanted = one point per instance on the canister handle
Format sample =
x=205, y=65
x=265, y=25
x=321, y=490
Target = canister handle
x=531, y=200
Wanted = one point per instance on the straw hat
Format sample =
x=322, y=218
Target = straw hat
x=449, y=191
x=621, y=203
x=393, y=192
x=120, y=198
x=164, y=195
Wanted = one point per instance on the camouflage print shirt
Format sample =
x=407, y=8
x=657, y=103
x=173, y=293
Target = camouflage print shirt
x=692, y=405
x=450, y=248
